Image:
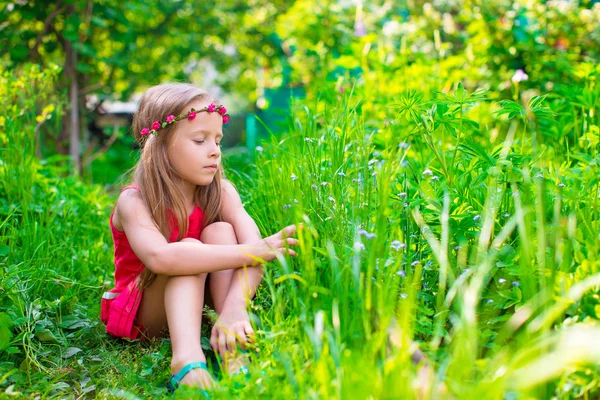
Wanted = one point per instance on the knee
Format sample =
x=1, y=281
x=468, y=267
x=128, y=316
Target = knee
x=191, y=240
x=219, y=233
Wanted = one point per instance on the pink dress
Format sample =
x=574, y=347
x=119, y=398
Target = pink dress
x=120, y=304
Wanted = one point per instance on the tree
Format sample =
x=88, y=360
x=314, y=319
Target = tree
x=112, y=48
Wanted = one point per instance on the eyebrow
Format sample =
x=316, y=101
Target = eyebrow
x=207, y=132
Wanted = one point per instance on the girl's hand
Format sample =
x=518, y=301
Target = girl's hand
x=268, y=248
x=232, y=326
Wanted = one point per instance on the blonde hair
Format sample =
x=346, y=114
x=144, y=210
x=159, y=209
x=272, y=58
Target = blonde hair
x=155, y=177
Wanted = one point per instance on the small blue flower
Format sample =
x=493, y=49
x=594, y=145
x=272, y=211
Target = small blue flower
x=397, y=245
x=415, y=263
x=286, y=206
x=502, y=281
x=516, y=284
x=293, y=177
x=401, y=274
x=403, y=295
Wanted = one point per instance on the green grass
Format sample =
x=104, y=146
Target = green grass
x=445, y=223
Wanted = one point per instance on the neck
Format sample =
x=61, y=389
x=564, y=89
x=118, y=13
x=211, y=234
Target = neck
x=189, y=191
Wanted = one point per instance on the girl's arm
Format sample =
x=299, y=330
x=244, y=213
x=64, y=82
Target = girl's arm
x=245, y=280
x=184, y=258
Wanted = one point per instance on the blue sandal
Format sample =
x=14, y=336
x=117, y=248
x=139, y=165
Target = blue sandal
x=175, y=379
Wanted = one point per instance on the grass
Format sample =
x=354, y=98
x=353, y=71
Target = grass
x=464, y=224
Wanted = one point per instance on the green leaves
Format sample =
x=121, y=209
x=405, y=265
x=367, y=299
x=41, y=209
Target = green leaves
x=461, y=96
x=409, y=105
x=534, y=111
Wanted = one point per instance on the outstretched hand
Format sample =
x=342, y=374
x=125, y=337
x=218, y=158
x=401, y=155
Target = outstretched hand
x=279, y=243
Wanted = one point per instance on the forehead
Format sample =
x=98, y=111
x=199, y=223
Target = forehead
x=204, y=123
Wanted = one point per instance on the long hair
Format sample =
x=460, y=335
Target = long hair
x=153, y=174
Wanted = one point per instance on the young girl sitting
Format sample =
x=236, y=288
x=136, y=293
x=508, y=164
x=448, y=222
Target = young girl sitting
x=177, y=226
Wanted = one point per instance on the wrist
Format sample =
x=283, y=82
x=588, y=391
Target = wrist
x=235, y=302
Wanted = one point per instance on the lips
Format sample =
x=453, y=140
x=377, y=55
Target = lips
x=211, y=166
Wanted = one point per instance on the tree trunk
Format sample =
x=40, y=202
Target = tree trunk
x=73, y=126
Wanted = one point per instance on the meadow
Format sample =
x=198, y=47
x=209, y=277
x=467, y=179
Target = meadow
x=447, y=209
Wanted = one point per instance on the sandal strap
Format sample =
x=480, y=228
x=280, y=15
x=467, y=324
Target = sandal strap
x=176, y=378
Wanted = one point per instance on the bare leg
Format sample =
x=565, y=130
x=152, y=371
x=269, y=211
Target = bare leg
x=184, y=301
x=177, y=302
x=219, y=281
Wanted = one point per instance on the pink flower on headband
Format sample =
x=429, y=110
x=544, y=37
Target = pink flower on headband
x=170, y=118
x=211, y=108
x=222, y=110
x=192, y=115
x=225, y=119
x=144, y=131
x=156, y=125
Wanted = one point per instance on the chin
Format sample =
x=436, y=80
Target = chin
x=205, y=182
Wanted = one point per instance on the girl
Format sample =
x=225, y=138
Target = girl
x=177, y=226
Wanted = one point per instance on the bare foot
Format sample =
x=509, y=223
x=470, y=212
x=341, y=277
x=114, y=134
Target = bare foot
x=198, y=377
x=234, y=362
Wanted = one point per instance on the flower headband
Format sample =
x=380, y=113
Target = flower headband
x=171, y=119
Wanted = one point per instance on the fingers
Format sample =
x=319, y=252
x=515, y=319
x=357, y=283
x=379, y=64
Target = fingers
x=292, y=242
x=230, y=340
x=241, y=337
x=222, y=343
x=249, y=332
x=213, y=339
x=288, y=231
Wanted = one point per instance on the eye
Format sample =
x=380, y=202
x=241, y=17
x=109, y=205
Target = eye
x=198, y=141
x=219, y=144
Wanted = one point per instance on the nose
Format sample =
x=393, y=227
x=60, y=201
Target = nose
x=215, y=151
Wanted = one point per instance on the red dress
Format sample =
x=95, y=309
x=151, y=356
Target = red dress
x=120, y=304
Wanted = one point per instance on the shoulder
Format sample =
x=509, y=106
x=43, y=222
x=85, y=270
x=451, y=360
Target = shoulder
x=230, y=199
x=228, y=191
x=129, y=203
